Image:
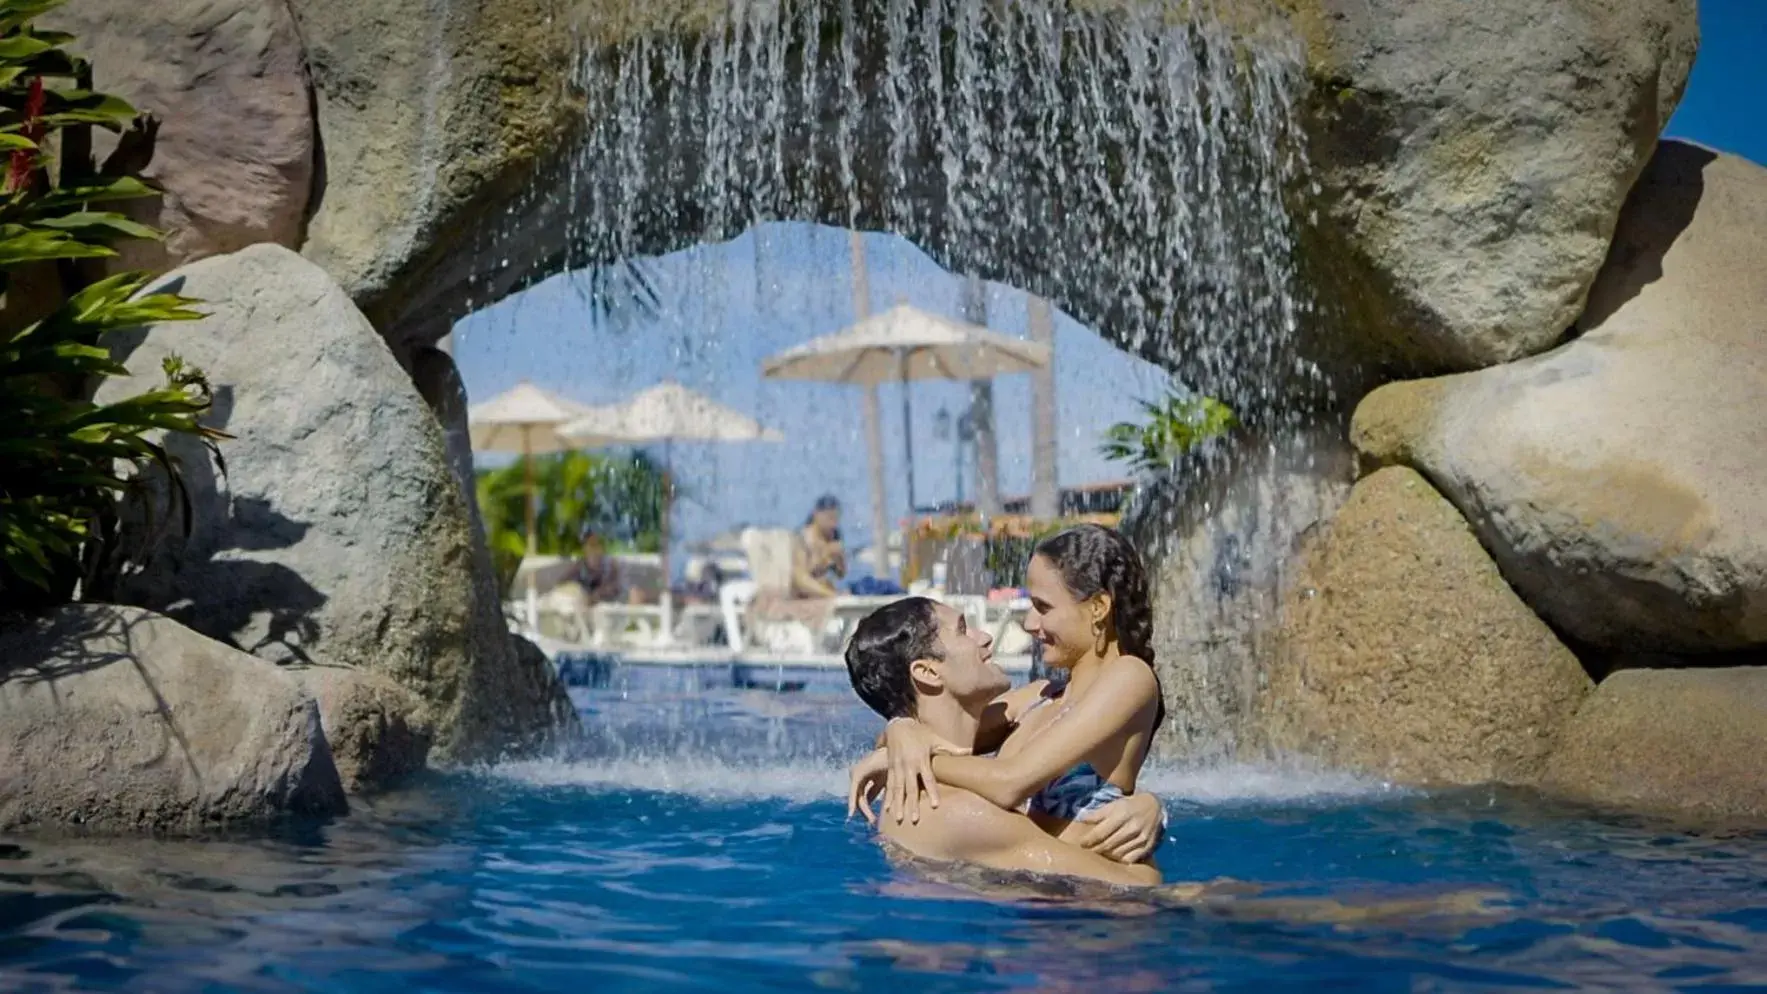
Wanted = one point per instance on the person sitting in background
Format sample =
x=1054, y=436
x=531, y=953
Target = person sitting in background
x=702, y=578
x=818, y=558
x=596, y=575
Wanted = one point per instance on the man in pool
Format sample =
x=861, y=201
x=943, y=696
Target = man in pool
x=919, y=659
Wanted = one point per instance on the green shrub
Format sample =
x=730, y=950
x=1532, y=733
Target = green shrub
x=64, y=460
x=620, y=496
x=1174, y=426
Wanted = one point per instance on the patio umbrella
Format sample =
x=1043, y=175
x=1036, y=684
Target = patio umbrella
x=666, y=413
x=901, y=344
x=524, y=419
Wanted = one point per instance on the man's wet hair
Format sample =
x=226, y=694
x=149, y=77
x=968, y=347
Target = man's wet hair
x=882, y=648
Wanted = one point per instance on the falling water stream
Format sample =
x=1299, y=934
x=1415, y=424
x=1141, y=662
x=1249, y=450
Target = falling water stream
x=1130, y=162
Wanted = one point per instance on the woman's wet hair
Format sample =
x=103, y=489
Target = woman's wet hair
x=1092, y=559
x=884, y=645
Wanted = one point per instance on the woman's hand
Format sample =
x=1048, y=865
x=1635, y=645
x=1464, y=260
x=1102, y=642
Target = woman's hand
x=911, y=747
x=865, y=781
x=1126, y=830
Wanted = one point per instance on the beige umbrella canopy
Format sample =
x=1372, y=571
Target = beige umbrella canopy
x=524, y=419
x=666, y=413
x=906, y=343
x=901, y=344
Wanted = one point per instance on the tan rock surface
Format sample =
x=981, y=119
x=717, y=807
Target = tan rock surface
x=1406, y=656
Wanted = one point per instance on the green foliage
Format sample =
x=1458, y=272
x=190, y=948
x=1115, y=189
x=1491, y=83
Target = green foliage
x=619, y=496
x=64, y=459
x=1174, y=426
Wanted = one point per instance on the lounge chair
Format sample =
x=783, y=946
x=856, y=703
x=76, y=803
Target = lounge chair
x=761, y=615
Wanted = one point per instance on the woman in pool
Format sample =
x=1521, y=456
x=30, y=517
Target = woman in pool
x=1063, y=749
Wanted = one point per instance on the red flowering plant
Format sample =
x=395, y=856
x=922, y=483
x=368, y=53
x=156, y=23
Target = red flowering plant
x=65, y=460
x=1007, y=538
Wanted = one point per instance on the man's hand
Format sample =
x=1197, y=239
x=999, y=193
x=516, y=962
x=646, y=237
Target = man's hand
x=1126, y=830
x=911, y=747
x=865, y=781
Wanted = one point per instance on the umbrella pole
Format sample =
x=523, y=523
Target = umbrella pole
x=667, y=600
x=880, y=511
x=908, y=433
x=533, y=602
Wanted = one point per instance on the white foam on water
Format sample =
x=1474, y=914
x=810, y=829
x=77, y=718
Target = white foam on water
x=805, y=782
x=1240, y=783
x=693, y=776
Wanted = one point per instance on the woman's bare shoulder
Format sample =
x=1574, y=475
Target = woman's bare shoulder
x=1132, y=671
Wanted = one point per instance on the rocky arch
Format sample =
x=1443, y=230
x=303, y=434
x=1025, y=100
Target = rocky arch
x=1464, y=165
x=1129, y=164
x=1435, y=231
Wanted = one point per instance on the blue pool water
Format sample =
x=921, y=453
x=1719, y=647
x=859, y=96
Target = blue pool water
x=698, y=845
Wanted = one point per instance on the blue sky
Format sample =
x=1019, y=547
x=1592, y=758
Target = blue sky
x=732, y=305
x=1725, y=106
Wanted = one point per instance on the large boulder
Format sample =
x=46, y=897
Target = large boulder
x=236, y=148
x=534, y=679
x=117, y=719
x=1405, y=655
x=1683, y=742
x=433, y=118
x=379, y=732
x=1471, y=158
x=338, y=534
x=1619, y=480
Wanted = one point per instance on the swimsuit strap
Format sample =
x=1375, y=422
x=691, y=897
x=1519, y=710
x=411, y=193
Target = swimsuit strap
x=1050, y=693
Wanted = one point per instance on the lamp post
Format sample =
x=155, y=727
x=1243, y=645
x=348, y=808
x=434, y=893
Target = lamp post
x=959, y=432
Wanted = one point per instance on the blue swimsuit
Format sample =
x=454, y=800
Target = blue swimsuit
x=1078, y=792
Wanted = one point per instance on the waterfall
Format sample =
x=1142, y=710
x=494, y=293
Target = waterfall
x=1130, y=163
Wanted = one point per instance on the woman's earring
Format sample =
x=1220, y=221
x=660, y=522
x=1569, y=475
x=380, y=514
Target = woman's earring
x=1098, y=638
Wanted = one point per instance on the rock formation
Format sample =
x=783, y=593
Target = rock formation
x=338, y=534
x=1405, y=655
x=1471, y=159
x=1619, y=480
x=1690, y=743
x=114, y=719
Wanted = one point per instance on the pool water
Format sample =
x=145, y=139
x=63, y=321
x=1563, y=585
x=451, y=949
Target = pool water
x=699, y=844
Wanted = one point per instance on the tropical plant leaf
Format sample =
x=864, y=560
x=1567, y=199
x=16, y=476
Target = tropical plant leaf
x=20, y=247
x=68, y=198
x=54, y=63
x=64, y=462
x=100, y=224
x=15, y=14
x=1174, y=425
x=19, y=47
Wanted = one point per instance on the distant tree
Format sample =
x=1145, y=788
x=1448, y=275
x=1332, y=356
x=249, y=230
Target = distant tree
x=619, y=495
x=1174, y=426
